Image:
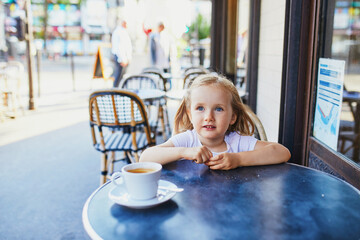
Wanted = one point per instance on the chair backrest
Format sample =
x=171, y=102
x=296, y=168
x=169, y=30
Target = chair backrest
x=141, y=81
x=161, y=81
x=259, y=131
x=116, y=109
x=151, y=69
x=12, y=76
x=352, y=108
x=195, y=69
x=189, y=78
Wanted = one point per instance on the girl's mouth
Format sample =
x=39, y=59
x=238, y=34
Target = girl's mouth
x=209, y=127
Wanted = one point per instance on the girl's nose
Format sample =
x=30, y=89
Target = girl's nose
x=209, y=116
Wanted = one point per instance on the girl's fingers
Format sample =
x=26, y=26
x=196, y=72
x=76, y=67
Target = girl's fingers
x=217, y=162
x=201, y=158
x=208, y=156
x=217, y=157
x=212, y=162
x=216, y=166
x=204, y=156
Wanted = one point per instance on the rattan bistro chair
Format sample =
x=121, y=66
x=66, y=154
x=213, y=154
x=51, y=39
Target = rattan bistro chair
x=143, y=81
x=152, y=69
x=259, y=131
x=195, y=69
x=119, y=123
x=11, y=77
x=161, y=81
x=191, y=75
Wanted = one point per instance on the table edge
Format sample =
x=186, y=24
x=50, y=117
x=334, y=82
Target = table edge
x=330, y=175
x=85, y=218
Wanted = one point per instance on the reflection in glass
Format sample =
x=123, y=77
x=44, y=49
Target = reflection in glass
x=242, y=43
x=345, y=45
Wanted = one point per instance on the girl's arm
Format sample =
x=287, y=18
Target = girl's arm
x=264, y=153
x=167, y=152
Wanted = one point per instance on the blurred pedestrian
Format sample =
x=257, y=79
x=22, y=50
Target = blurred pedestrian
x=121, y=49
x=161, y=48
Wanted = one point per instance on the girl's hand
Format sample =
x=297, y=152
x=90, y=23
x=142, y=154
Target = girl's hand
x=223, y=161
x=198, y=154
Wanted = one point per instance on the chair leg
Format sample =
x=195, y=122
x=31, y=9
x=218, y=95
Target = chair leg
x=136, y=155
x=131, y=157
x=13, y=104
x=161, y=116
x=104, y=171
x=112, y=161
x=342, y=145
x=167, y=122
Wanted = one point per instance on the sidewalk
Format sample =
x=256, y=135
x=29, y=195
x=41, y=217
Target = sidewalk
x=58, y=105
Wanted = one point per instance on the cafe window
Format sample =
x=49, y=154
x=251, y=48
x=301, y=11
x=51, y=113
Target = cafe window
x=342, y=42
x=242, y=43
x=339, y=39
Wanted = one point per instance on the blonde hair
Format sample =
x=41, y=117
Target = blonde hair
x=243, y=124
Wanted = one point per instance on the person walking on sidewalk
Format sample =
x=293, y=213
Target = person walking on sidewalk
x=161, y=48
x=121, y=49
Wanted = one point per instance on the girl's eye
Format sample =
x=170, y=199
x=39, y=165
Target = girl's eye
x=200, y=108
x=219, y=109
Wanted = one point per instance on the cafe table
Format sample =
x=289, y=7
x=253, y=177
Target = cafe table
x=283, y=201
x=148, y=95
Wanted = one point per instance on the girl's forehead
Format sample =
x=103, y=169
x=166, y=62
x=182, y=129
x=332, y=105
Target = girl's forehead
x=210, y=92
x=205, y=89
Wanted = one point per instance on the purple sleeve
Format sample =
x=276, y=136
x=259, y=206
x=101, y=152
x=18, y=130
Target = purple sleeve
x=241, y=143
x=247, y=143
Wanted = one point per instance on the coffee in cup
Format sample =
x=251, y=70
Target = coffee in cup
x=140, y=179
x=141, y=170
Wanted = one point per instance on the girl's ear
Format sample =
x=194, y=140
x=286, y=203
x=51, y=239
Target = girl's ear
x=188, y=112
x=233, y=119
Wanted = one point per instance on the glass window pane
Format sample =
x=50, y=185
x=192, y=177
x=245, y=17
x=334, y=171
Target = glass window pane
x=342, y=42
x=242, y=43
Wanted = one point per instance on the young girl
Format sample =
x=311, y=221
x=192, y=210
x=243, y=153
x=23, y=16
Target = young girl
x=212, y=127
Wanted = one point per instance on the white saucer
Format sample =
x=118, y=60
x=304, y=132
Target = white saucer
x=120, y=196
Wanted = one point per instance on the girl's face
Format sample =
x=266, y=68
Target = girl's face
x=211, y=112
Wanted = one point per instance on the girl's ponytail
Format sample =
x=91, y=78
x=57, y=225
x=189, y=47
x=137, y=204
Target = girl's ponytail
x=182, y=121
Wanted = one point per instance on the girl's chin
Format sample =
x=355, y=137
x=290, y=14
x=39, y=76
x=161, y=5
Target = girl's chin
x=210, y=135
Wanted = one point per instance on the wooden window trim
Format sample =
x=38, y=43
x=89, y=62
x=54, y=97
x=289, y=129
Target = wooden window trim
x=349, y=170
x=253, y=54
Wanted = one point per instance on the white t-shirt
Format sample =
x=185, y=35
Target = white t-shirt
x=121, y=45
x=234, y=142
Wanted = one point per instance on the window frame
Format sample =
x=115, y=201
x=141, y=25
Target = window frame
x=306, y=33
x=339, y=164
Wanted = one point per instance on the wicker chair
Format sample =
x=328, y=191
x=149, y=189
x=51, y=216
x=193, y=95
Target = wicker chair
x=11, y=78
x=259, y=131
x=144, y=81
x=191, y=75
x=349, y=137
x=119, y=123
x=195, y=68
x=162, y=82
x=151, y=69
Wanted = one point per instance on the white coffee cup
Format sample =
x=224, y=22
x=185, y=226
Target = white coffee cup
x=141, y=179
